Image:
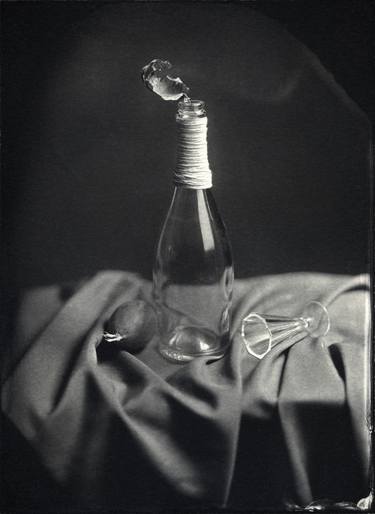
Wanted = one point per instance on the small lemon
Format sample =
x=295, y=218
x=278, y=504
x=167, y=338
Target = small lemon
x=131, y=326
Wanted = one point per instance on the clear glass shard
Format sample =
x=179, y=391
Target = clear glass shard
x=155, y=76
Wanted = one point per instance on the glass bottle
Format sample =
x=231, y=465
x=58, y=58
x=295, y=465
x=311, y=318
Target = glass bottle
x=193, y=271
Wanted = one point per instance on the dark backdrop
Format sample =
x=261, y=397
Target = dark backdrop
x=88, y=152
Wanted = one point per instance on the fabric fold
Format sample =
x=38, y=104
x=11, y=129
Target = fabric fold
x=135, y=432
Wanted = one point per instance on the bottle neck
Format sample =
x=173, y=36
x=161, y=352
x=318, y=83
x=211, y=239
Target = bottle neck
x=192, y=167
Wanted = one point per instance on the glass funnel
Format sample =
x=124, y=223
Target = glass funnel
x=261, y=332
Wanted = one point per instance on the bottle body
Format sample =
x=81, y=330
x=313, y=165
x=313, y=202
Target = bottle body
x=193, y=278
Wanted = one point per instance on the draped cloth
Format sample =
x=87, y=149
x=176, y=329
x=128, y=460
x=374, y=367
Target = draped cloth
x=135, y=432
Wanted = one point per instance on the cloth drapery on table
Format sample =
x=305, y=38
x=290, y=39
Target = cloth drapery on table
x=115, y=430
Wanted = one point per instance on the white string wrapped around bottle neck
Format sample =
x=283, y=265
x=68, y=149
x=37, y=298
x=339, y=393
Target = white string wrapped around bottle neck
x=192, y=167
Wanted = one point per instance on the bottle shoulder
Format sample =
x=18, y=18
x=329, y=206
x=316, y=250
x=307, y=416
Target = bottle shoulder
x=191, y=212
x=194, y=234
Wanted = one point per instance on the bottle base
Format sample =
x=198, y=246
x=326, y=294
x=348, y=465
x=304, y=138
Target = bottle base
x=186, y=343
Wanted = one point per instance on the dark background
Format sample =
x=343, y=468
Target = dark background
x=88, y=152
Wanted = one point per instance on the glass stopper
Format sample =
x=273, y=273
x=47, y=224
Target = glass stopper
x=155, y=76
